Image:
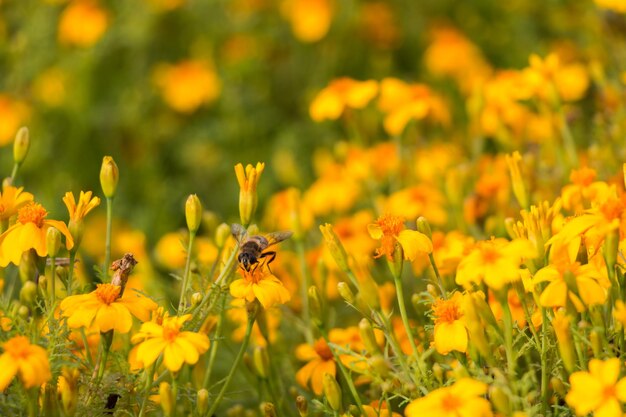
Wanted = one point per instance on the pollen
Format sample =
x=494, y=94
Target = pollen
x=108, y=293
x=390, y=226
x=17, y=347
x=451, y=403
x=171, y=330
x=32, y=213
x=446, y=311
x=253, y=276
x=323, y=350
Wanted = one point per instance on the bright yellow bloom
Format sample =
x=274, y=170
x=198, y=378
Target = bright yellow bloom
x=310, y=19
x=85, y=204
x=549, y=75
x=83, y=23
x=463, y=398
x=51, y=86
x=248, y=180
x=13, y=114
x=496, y=262
x=262, y=285
x=618, y=6
x=29, y=232
x=177, y=346
x=31, y=361
x=188, y=84
x=390, y=231
x=420, y=200
x=450, y=332
x=583, y=189
x=105, y=309
x=598, y=390
x=11, y=200
x=320, y=361
x=340, y=94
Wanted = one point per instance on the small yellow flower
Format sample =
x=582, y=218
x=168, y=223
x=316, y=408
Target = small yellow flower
x=598, y=390
x=618, y=6
x=11, y=200
x=463, y=398
x=310, y=19
x=262, y=285
x=390, y=231
x=177, y=346
x=248, y=180
x=342, y=93
x=105, y=309
x=450, y=332
x=29, y=232
x=13, y=114
x=320, y=361
x=31, y=361
x=83, y=23
x=85, y=204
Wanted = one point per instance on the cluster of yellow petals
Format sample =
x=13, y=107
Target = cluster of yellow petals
x=618, y=6
x=85, y=204
x=310, y=19
x=260, y=284
x=320, y=361
x=463, y=398
x=342, y=93
x=570, y=81
x=390, y=230
x=83, y=23
x=23, y=358
x=450, y=332
x=598, y=390
x=11, y=200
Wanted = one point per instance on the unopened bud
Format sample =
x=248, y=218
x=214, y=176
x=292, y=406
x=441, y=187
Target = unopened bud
x=302, y=406
x=315, y=305
x=261, y=362
x=596, y=343
x=21, y=145
x=424, y=227
x=380, y=365
x=332, y=392
x=500, y=400
x=335, y=247
x=367, y=336
x=561, y=325
x=109, y=177
x=269, y=410
x=193, y=213
x=23, y=311
x=28, y=266
x=167, y=399
x=558, y=386
x=513, y=161
x=222, y=233
x=196, y=299
x=53, y=241
x=202, y=402
x=248, y=180
x=28, y=293
x=236, y=410
x=345, y=292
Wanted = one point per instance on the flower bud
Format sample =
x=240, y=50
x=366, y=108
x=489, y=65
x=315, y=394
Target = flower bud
x=222, y=233
x=596, y=343
x=193, y=213
x=438, y=373
x=500, y=400
x=28, y=266
x=558, y=386
x=368, y=292
x=332, y=392
x=236, y=410
x=561, y=325
x=315, y=305
x=28, y=293
x=21, y=145
x=23, y=311
x=202, y=402
x=196, y=298
x=53, y=241
x=368, y=337
x=261, y=362
x=109, y=177
x=269, y=410
x=380, y=365
x=248, y=180
x=167, y=399
x=345, y=292
x=424, y=227
x=513, y=161
x=302, y=406
x=335, y=247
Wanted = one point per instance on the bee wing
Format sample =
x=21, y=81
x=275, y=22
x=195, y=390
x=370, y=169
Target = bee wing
x=239, y=232
x=276, y=237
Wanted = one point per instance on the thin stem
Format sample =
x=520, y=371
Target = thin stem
x=508, y=336
x=70, y=273
x=405, y=321
x=52, y=281
x=14, y=171
x=183, y=290
x=147, y=388
x=437, y=275
x=213, y=352
x=545, y=394
x=107, y=339
x=107, y=251
x=306, y=283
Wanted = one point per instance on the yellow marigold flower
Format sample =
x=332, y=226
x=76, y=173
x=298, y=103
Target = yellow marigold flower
x=248, y=180
x=598, y=390
x=496, y=262
x=29, y=232
x=260, y=284
x=320, y=361
x=188, y=84
x=463, y=398
x=378, y=409
x=83, y=23
x=618, y=6
x=583, y=189
x=31, y=361
x=11, y=200
x=50, y=87
x=177, y=346
x=450, y=332
x=569, y=81
x=389, y=229
x=13, y=114
x=85, y=204
x=420, y=200
x=105, y=309
x=340, y=94
x=310, y=19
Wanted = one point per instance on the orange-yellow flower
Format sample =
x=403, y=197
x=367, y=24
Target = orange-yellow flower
x=463, y=398
x=30, y=361
x=105, y=309
x=450, y=332
x=549, y=75
x=583, y=189
x=262, y=285
x=188, y=84
x=29, y=232
x=598, y=390
x=616, y=5
x=320, y=361
x=83, y=23
x=85, y=204
x=340, y=94
x=177, y=346
x=496, y=262
x=11, y=200
x=13, y=113
x=310, y=19
x=389, y=229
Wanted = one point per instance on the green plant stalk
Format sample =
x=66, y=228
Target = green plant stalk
x=107, y=249
x=107, y=339
x=242, y=350
x=70, y=273
x=16, y=166
x=508, y=337
x=52, y=282
x=407, y=327
x=437, y=275
x=545, y=393
x=183, y=290
x=214, y=345
x=306, y=283
x=147, y=388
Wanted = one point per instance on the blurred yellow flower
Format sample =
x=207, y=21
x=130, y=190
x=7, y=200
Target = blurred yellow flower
x=187, y=85
x=309, y=19
x=463, y=398
x=340, y=94
x=239, y=316
x=450, y=332
x=30, y=361
x=105, y=309
x=320, y=361
x=260, y=284
x=170, y=251
x=333, y=192
x=618, y=6
x=177, y=346
x=598, y=390
x=50, y=87
x=578, y=195
x=13, y=114
x=29, y=232
x=420, y=200
x=378, y=24
x=83, y=23
x=390, y=230
x=548, y=75
x=11, y=200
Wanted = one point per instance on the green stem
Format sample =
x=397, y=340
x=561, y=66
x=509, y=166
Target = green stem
x=70, y=273
x=14, y=172
x=52, y=281
x=545, y=394
x=306, y=283
x=405, y=321
x=437, y=275
x=147, y=388
x=107, y=339
x=508, y=336
x=242, y=350
x=107, y=250
x=213, y=352
x=183, y=290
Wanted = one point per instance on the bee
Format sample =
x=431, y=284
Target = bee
x=252, y=249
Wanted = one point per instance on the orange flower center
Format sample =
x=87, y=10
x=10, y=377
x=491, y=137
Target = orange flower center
x=391, y=226
x=108, y=293
x=612, y=209
x=171, y=331
x=253, y=276
x=32, y=213
x=18, y=347
x=323, y=350
x=490, y=255
x=608, y=392
x=450, y=403
x=583, y=177
x=446, y=311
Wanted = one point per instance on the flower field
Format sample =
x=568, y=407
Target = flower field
x=293, y=208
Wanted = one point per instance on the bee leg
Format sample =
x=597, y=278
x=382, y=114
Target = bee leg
x=270, y=255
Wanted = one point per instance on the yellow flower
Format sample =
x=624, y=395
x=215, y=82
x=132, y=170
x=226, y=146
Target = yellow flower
x=549, y=75
x=31, y=361
x=496, y=262
x=618, y=6
x=598, y=390
x=50, y=87
x=340, y=94
x=262, y=285
x=320, y=361
x=29, y=232
x=177, y=346
x=463, y=398
x=450, y=332
x=83, y=23
x=248, y=180
x=390, y=231
x=85, y=205
x=310, y=19
x=11, y=200
x=420, y=200
x=583, y=190
x=13, y=114
x=188, y=84
x=105, y=309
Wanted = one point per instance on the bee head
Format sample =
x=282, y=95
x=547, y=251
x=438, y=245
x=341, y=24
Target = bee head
x=246, y=260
